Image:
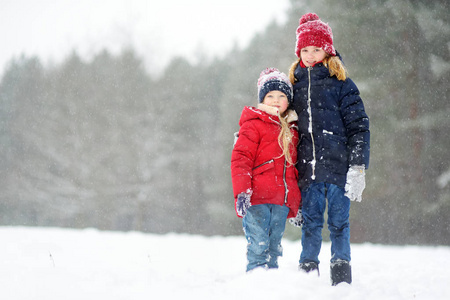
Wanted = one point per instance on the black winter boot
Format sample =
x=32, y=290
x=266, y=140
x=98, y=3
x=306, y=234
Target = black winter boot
x=341, y=271
x=309, y=267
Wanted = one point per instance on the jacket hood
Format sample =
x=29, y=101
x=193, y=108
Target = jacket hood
x=266, y=113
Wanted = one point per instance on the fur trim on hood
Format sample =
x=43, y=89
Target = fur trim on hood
x=291, y=115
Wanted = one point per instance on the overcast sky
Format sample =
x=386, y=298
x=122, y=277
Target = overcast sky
x=157, y=30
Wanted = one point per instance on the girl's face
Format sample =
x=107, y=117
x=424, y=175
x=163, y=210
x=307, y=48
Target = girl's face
x=311, y=55
x=277, y=99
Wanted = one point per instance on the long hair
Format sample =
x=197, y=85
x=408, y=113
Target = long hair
x=285, y=138
x=332, y=63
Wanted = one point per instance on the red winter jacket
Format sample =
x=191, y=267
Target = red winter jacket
x=257, y=164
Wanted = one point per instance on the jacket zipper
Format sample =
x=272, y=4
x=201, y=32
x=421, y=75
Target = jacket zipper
x=264, y=163
x=313, y=162
x=285, y=183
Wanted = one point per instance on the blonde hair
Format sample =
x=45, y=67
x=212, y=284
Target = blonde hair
x=285, y=138
x=332, y=63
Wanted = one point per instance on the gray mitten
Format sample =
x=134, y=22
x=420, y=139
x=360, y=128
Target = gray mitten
x=356, y=183
x=298, y=220
x=242, y=204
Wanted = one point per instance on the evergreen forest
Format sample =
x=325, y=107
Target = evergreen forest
x=102, y=143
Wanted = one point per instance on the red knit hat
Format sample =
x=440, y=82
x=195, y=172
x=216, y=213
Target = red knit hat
x=313, y=32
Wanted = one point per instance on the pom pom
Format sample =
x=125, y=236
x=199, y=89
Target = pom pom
x=268, y=71
x=309, y=17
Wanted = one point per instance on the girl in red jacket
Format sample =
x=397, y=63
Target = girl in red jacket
x=263, y=169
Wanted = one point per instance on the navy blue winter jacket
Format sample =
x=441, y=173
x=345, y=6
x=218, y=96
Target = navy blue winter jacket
x=335, y=135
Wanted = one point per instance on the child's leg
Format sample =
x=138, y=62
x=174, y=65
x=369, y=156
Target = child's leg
x=339, y=226
x=338, y=223
x=277, y=226
x=256, y=227
x=313, y=208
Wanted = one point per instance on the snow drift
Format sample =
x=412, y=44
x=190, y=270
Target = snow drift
x=53, y=263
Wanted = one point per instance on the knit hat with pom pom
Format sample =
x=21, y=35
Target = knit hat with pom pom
x=313, y=32
x=270, y=80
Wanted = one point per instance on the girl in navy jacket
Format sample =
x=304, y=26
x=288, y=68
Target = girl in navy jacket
x=333, y=151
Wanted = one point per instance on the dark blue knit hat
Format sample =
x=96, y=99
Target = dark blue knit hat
x=270, y=80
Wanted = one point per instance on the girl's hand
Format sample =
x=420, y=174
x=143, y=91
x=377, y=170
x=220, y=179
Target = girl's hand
x=242, y=204
x=356, y=183
x=298, y=220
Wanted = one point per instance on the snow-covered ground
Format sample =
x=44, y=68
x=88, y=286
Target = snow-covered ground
x=53, y=263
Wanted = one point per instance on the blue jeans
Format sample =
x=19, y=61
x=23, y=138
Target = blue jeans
x=314, y=199
x=264, y=226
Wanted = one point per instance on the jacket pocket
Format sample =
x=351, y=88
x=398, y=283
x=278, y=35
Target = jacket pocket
x=263, y=167
x=335, y=153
